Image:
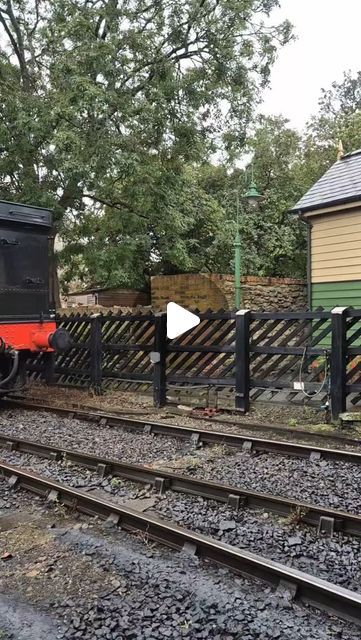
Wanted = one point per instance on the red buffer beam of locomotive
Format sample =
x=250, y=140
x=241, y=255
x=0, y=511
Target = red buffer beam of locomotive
x=34, y=336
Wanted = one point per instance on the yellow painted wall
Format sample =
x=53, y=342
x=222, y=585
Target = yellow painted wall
x=336, y=246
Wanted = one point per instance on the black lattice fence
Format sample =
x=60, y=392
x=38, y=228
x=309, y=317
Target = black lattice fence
x=292, y=357
x=289, y=356
x=110, y=350
x=205, y=353
x=353, y=345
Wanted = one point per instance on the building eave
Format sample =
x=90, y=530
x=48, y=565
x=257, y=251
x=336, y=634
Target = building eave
x=333, y=206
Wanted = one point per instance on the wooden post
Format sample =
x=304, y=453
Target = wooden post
x=338, y=362
x=95, y=346
x=243, y=318
x=159, y=359
x=49, y=368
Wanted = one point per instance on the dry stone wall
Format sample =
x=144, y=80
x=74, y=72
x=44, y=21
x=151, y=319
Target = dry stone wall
x=216, y=291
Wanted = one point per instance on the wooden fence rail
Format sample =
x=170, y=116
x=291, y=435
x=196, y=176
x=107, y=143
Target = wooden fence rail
x=292, y=357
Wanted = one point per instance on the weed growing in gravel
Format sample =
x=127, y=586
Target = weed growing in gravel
x=116, y=482
x=296, y=516
x=220, y=450
x=186, y=625
x=292, y=422
x=144, y=537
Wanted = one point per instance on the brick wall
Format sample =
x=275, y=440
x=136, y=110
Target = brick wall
x=216, y=291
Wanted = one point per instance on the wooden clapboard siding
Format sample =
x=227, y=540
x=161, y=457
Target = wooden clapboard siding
x=336, y=247
x=336, y=294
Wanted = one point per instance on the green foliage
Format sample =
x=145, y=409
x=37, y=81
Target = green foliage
x=182, y=228
x=110, y=112
x=279, y=237
x=339, y=118
x=98, y=95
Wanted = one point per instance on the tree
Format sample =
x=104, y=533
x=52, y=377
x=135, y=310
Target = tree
x=339, y=118
x=343, y=98
x=93, y=90
x=273, y=240
x=183, y=229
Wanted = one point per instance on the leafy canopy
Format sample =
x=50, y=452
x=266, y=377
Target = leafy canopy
x=105, y=107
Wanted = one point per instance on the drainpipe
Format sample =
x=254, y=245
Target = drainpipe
x=309, y=260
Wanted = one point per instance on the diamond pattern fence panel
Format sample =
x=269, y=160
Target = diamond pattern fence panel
x=290, y=356
x=285, y=357
x=353, y=366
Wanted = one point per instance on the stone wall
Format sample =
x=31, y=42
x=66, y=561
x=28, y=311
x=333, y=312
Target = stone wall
x=216, y=291
x=274, y=294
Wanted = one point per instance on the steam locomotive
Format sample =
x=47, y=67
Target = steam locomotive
x=27, y=316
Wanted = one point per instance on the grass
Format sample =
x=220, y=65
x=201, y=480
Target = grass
x=295, y=517
x=116, y=482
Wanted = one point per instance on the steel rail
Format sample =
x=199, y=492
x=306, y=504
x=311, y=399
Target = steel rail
x=277, y=428
x=326, y=519
x=282, y=430
x=319, y=593
x=201, y=436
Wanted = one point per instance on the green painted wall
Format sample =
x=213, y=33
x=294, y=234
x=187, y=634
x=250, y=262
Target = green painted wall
x=336, y=294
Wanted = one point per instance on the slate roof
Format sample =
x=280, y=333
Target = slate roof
x=339, y=185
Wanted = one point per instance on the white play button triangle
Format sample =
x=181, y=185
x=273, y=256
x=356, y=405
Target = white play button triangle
x=179, y=320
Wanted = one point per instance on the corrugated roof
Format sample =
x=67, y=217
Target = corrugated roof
x=83, y=292
x=339, y=185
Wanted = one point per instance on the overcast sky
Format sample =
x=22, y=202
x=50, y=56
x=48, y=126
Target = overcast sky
x=328, y=43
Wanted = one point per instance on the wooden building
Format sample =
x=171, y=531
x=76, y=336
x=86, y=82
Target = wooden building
x=332, y=211
x=109, y=297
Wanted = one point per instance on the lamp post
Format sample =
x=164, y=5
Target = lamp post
x=252, y=197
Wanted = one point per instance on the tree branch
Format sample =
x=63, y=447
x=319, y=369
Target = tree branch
x=20, y=43
x=120, y=205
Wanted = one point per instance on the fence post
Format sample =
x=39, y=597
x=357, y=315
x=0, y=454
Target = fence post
x=49, y=368
x=338, y=362
x=159, y=359
x=95, y=346
x=242, y=372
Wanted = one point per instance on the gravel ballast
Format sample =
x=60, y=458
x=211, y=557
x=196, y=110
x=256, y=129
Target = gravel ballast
x=161, y=594
x=143, y=591
x=169, y=595
x=323, y=482
x=335, y=560
x=70, y=433
x=326, y=483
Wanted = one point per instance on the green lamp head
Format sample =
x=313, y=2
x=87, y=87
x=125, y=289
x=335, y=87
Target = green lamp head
x=252, y=195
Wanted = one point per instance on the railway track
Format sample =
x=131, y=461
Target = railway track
x=327, y=520
x=311, y=590
x=290, y=432
x=199, y=436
